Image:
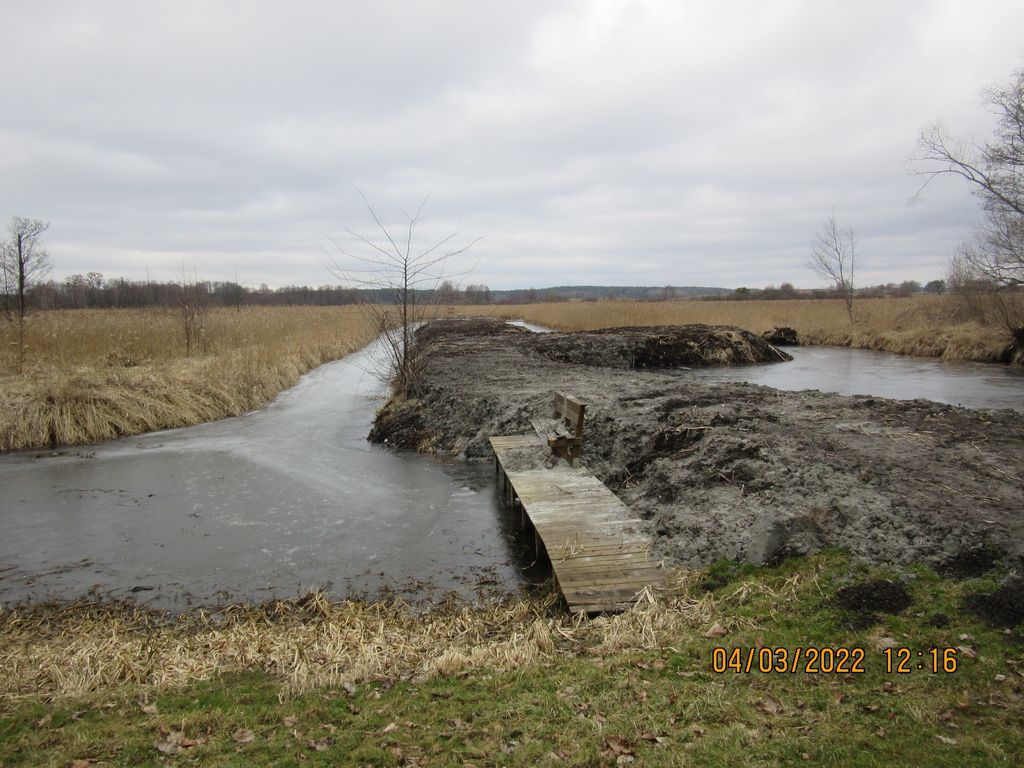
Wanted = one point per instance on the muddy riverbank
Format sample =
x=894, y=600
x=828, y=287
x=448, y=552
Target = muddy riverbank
x=733, y=470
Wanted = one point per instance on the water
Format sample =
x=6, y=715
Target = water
x=864, y=372
x=881, y=374
x=269, y=504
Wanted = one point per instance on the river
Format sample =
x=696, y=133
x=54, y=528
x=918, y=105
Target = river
x=269, y=504
x=293, y=497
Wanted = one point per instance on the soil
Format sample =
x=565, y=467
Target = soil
x=873, y=595
x=733, y=470
x=1003, y=607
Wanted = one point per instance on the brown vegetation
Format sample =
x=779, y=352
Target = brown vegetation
x=925, y=326
x=315, y=643
x=96, y=374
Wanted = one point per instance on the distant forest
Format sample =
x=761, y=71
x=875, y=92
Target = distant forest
x=92, y=290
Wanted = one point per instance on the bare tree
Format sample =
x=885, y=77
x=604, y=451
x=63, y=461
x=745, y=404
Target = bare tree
x=992, y=265
x=24, y=263
x=833, y=254
x=399, y=277
x=193, y=307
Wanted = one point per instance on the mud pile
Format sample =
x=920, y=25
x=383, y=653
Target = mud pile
x=690, y=346
x=737, y=471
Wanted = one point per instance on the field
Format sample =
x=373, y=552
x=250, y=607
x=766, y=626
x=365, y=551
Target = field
x=97, y=374
x=313, y=683
x=93, y=375
x=926, y=326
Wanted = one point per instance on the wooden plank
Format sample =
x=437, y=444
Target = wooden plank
x=599, y=556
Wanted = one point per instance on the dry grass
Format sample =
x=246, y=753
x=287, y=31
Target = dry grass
x=313, y=643
x=96, y=374
x=925, y=326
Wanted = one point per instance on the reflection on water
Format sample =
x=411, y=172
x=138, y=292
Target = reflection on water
x=269, y=504
x=863, y=372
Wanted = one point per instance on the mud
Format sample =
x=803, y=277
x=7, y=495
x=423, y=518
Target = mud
x=1003, y=607
x=733, y=470
x=873, y=595
x=782, y=336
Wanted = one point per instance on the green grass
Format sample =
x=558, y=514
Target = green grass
x=578, y=706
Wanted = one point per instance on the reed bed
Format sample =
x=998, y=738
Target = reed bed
x=312, y=643
x=97, y=374
x=924, y=326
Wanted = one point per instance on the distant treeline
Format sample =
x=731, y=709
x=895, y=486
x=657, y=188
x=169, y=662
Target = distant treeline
x=92, y=290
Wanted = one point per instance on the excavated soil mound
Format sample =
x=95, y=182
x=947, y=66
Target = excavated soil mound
x=732, y=470
x=875, y=595
x=690, y=346
x=1003, y=607
x=782, y=337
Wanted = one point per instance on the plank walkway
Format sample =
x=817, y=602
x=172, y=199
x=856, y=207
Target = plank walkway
x=599, y=557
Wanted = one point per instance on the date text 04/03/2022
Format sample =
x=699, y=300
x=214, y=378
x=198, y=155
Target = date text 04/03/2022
x=826, y=660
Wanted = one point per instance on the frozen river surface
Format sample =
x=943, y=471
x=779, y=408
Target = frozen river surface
x=269, y=504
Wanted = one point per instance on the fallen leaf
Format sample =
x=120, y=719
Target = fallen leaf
x=350, y=689
x=167, y=748
x=615, y=745
x=769, y=706
x=886, y=642
x=967, y=651
x=1000, y=678
x=870, y=707
x=716, y=630
x=149, y=709
x=170, y=744
x=81, y=763
x=389, y=728
x=290, y=721
x=320, y=745
x=946, y=739
x=243, y=736
x=44, y=721
x=329, y=727
x=881, y=733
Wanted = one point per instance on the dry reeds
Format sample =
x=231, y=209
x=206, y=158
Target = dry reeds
x=313, y=643
x=926, y=326
x=96, y=374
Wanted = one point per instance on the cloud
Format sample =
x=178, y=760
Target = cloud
x=611, y=142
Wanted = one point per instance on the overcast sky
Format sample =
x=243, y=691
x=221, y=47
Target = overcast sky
x=623, y=143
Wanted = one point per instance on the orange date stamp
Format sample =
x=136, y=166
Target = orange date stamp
x=827, y=660
x=810, y=660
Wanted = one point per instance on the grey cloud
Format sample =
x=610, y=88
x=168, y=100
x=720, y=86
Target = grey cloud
x=608, y=142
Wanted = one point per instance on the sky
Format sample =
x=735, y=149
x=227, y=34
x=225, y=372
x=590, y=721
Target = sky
x=606, y=142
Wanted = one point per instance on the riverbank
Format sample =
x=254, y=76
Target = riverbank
x=923, y=326
x=516, y=683
x=738, y=471
x=94, y=375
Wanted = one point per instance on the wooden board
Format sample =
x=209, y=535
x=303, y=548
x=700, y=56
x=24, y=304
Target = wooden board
x=599, y=555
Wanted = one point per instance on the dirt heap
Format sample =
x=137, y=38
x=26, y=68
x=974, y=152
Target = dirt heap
x=731, y=470
x=782, y=336
x=675, y=346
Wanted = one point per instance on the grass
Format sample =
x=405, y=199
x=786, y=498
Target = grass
x=516, y=684
x=92, y=375
x=97, y=374
x=925, y=326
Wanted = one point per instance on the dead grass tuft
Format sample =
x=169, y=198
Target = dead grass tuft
x=97, y=374
x=312, y=643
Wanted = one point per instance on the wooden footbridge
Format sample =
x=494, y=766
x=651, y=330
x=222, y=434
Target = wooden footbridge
x=599, y=557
